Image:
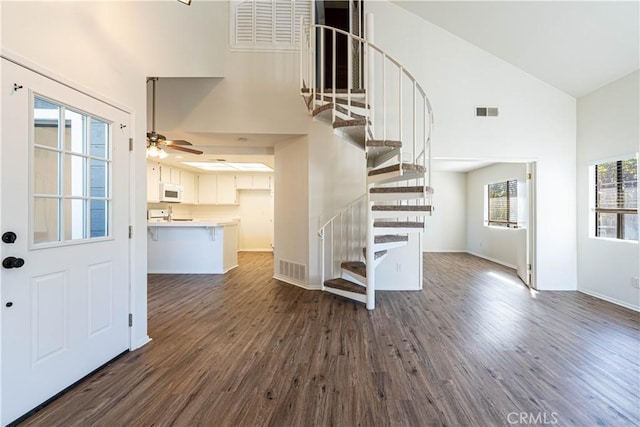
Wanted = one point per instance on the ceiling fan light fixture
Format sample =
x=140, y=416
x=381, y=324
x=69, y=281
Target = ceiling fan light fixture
x=162, y=154
x=153, y=151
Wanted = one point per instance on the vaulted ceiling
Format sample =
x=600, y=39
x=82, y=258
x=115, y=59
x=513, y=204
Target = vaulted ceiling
x=575, y=46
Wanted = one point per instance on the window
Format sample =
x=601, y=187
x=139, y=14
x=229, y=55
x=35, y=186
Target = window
x=70, y=177
x=271, y=25
x=502, y=202
x=616, y=199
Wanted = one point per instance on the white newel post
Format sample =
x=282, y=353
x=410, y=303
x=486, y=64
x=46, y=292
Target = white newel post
x=369, y=100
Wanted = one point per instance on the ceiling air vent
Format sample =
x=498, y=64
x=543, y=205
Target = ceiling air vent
x=486, y=111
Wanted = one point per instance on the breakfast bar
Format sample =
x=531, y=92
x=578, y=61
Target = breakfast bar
x=192, y=247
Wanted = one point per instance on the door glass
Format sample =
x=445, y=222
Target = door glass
x=73, y=170
x=46, y=117
x=45, y=171
x=45, y=220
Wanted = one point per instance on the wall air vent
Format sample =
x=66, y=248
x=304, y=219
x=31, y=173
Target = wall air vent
x=294, y=271
x=486, y=111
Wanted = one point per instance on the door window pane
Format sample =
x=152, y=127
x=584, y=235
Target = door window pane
x=74, y=168
x=45, y=220
x=99, y=215
x=74, y=219
x=99, y=178
x=75, y=131
x=99, y=138
x=45, y=171
x=46, y=123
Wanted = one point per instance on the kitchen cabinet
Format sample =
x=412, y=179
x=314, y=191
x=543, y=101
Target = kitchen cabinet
x=188, y=182
x=253, y=182
x=153, y=182
x=217, y=190
x=170, y=174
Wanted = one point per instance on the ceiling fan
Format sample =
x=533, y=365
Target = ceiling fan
x=156, y=143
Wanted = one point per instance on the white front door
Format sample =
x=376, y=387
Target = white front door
x=64, y=203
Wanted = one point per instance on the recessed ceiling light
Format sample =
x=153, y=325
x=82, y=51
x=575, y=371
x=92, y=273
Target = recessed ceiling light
x=221, y=160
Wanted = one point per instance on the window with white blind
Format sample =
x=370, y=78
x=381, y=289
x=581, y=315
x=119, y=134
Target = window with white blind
x=502, y=204
x=616, y=199
x=268, y=25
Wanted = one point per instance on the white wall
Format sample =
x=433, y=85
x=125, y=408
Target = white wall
x=608, y=126
x=255, y=211
x=336, y=178
x=536, y=122
x=495, y=243
x=109, y=48
x=291, y=204
x=446, y=228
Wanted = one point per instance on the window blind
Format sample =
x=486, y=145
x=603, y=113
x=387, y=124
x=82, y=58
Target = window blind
x=616, y=199
x=503, y=204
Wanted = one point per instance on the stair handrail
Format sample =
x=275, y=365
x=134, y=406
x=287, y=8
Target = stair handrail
x=358, y=226
x=424, y=155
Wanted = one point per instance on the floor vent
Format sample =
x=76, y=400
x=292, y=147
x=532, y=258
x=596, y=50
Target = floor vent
x=297, y=272
x=487, y=112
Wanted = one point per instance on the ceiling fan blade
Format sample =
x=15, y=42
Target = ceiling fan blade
x=186, y=150
x=178, y=142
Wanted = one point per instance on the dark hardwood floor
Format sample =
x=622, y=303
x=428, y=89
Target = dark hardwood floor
x=475, y=347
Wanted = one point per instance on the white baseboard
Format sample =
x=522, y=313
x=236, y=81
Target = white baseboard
x=497, y=261
x=296, y=283
x=453, y=251
x=611, y=300
x=143, y=341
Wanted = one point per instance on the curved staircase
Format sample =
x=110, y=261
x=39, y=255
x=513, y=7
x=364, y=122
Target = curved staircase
x=384, y=111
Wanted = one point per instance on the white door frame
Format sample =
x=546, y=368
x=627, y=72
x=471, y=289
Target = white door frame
x=33, y=67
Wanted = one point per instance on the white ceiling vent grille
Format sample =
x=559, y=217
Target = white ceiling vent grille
x=294, y=271
x=487, y=112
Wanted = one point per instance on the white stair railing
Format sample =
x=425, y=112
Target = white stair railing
x=398, y=106
x=342, y=239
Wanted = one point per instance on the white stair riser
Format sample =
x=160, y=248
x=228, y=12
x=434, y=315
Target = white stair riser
x=351, y=295
x=399, y=214
x=395, y=176
x=383, y=231
x=390, y=245
x=393, y=197
x=353, y=277
x=378, y=156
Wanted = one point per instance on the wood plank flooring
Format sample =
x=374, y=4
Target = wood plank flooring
x=475, y=347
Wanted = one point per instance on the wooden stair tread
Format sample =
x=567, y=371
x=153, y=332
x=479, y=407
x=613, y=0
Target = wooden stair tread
x=406, y=167
x=345, y=285
x=376, y=255
x=341, y=101
x=399, y=224
x=321, y=108
x=379, y=143
x=349, y=122
x=356, y=267
x=404, y=208
x=330, y=90
x=413, y=189
x=390, y=238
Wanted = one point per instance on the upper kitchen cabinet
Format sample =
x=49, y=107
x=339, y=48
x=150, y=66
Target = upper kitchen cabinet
x=170, y=174
x=253, y=182
x=217, y=190
x=188, y=182
x=153, y=182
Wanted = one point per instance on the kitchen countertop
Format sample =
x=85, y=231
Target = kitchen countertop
x=193, y=223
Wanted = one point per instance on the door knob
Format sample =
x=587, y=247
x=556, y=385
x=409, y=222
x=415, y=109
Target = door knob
x=9, y=237
x=12, y=262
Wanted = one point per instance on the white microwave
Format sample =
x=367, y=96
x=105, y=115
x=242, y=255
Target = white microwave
x=171, y=193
